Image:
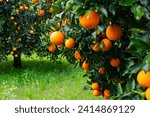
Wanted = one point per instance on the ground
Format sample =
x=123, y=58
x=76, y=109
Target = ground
x=41, y=79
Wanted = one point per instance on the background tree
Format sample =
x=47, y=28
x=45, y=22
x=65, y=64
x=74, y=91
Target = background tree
x=22, y=27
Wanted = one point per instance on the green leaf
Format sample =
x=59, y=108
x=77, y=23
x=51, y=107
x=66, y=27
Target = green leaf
x=104, y=11
x=94, y=34
x=136, y=68
x=126, y=2
x=120, y=90
x=138, y=11
x=133, y=84
x=87, y=13
x=146, y=37
x=140, y=45
x=147, y=59
x=69, y=4
x=76, y=8
x=112, y=9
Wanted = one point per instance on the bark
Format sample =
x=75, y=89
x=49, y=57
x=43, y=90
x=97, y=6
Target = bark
x=17, y=61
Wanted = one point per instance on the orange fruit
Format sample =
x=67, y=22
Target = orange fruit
x=32, y=32
x=143, y=78
x=12, y=18
x=102, y=70
x=15, y=23
x=113, y=32
x=35, y=1
x=107, y=44
x=147, y=93
x=21, y=8
x=14, y=48
x=96, y=47
x=26, y=7
x=106, y=94
x=97, y=92
x=90, y=21
x=41, y=13
x=85, y=66
x=17, y=10
x=52, y=48
x=19, y=39
x=95, y=86
x=57, y=38
x=16, y=55
x=77, y=55
x=11, y=52
x=51, y=10
x=114, y=62
x=70, y=43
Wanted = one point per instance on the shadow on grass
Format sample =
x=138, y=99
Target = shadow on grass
x=43, y=66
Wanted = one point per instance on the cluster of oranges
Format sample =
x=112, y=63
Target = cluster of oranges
x=14, y=52
x=57, y=38
x=143, y=78
x=21, y=8
x=113, y=33
x=97, y=91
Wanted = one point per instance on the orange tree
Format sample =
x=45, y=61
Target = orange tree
x=109, y=39
x=22, y=26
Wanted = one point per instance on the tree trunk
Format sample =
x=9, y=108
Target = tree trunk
x=17, y=60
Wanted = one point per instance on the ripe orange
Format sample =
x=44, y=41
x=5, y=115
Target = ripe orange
x=77, y=55
x=19, y=39
x=85, y=66
x=16, y=55
x=26, y=7
x=113, y=32
x=95, y=86
x=107, y=44
x=52, y=48
x=12, y=18
x=35, y=1
x=102, y=70
x=17, y=10
x=21, y=8
x=41, y=13
x=14, y=48
x=32, y=32
x=147, y=93
x=70, y=43
x=11, y=52
x=15, y=23
x=106, y=94
x=96, y=47
x=143, y=78
x=57, y=38
x=97, y=92
x=51, y=10
x=114, y=62
x=90, y=21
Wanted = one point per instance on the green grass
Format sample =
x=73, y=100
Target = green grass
x=41, y=79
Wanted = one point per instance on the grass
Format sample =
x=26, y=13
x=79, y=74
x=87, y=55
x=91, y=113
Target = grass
x=42, y=80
